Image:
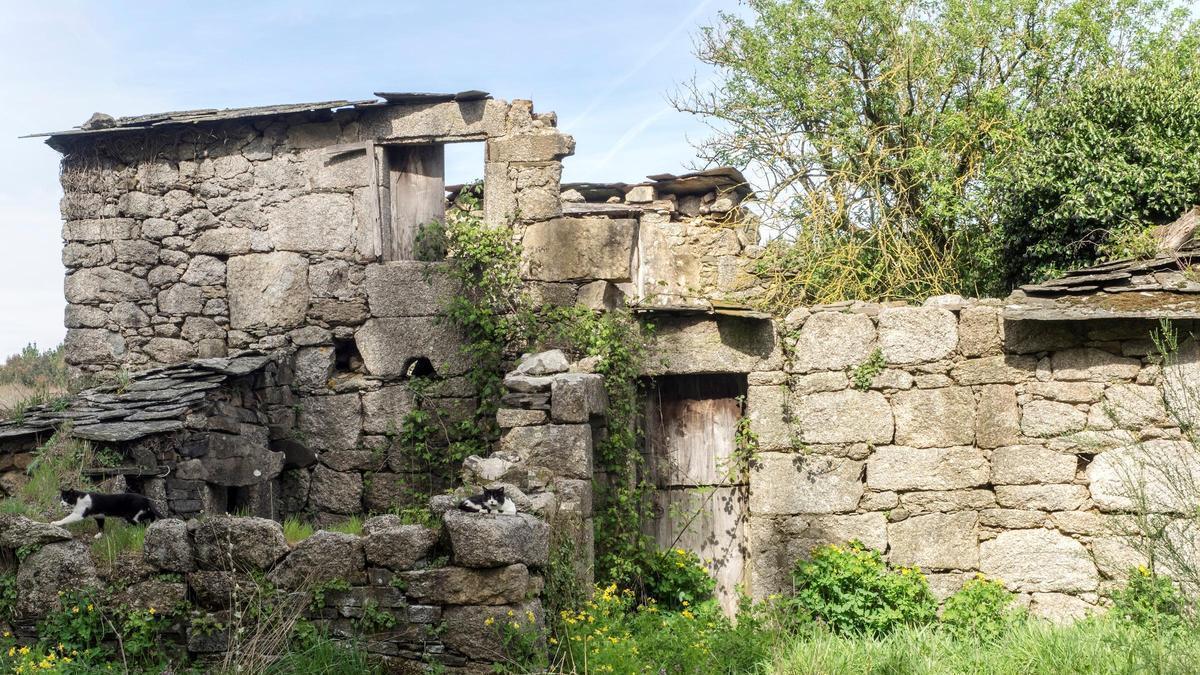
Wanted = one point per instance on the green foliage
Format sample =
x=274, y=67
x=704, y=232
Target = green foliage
x=1112, y=156
x=615, y=634
x=296, y=530
x=981, y=610
x=319, y=591
x=352, y=525
x=1094, y=646
x=326, y=656
x=430, y=244
x=865, y=372
x=141, y=631
x=374, y=619
x=80, y=624
x=852, y=590
x=874, y=128
x=57, y=464
x=676, y=578
x=745, y=448
x=119, y=537
x=1150, y=601
x=489, y=309
x=414, y=515
x=37, y=369
x=618, y=342
x=561, y=590
x=8, y=595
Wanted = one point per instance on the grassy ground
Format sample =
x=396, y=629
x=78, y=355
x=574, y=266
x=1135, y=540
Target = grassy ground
x=1099, y=646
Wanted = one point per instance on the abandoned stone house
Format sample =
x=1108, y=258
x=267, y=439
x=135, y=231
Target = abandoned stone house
x=255, y=270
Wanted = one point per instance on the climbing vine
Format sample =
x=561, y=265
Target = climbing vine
x=498, y=320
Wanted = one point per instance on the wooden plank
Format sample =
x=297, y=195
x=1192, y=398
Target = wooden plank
x=710, y=522
x=690, y=441
x=418, y=194
x=377, y=179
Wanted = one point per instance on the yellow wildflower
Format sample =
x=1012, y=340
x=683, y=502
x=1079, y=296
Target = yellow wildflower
x=510, y=612
x=152, y=612
x=489, y=621
x=91, y=607
x=74, y=610
x=23, y=651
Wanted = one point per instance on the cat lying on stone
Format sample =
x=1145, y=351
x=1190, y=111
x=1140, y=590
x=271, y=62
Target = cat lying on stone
x=491, y=501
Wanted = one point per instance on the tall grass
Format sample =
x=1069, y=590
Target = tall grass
x=57, y=464
x=119, y=537
x=1099, y=645
x=352, y=525
x=325, y=657
x=296, y=530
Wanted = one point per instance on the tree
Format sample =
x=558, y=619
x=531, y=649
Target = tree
x=873, y=125
x=1115, y=155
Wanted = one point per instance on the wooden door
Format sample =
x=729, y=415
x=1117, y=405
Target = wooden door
x=700, y=505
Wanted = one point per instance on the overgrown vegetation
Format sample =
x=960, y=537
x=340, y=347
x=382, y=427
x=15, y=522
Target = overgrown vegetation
x=851, y=613
x=58, y=463
x=888, y=136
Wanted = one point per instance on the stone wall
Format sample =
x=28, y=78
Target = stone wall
x=265, y=234
x=440, y=585
x=979, y=446
x=262, y=233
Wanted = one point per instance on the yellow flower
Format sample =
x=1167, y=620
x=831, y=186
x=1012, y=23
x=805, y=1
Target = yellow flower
x=74, y=610
x=685, y=603
x=12, y=651
x=510, y=612
x=529, y=615
x=152, y=612
x=680, y=551
x=515, y=625
x=553, y=641
x=91, y=607
x=7, y=633
x=489, y=621
x=23, y=651
x=687, y=614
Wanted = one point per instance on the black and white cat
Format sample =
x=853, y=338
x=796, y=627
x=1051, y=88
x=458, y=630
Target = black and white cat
x=134, y=508
x=491, y=501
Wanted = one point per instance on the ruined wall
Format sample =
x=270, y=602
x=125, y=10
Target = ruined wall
x=439, y=585
x=980, y=446
x=263, y=234
x=643, y=244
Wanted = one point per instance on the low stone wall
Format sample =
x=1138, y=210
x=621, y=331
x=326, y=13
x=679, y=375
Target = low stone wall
x=958, y=442
x=439, y=586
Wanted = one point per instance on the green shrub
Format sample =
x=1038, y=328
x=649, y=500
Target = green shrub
x=981, y=610
x=676, y=578
x=1150, y=600
x=8, y=595
x=852, y=590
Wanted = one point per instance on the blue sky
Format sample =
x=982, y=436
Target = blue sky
x=605, y=68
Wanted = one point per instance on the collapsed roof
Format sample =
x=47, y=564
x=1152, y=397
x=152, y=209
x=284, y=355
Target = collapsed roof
x=1166, y=286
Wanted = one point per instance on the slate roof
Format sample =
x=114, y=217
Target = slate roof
x=1166, y=286
x=152, y=402
x=103, y=124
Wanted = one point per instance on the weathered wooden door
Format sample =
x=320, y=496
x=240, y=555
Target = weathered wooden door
x=700, y=503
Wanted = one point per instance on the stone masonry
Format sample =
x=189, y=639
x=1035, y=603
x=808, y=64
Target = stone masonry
x=981, y=446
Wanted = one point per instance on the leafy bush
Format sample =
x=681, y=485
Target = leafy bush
x=852, y=590
x=8, y=595
x=1150, y=600
x=676, y=578
x=982, y=609
x=1115, y=154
